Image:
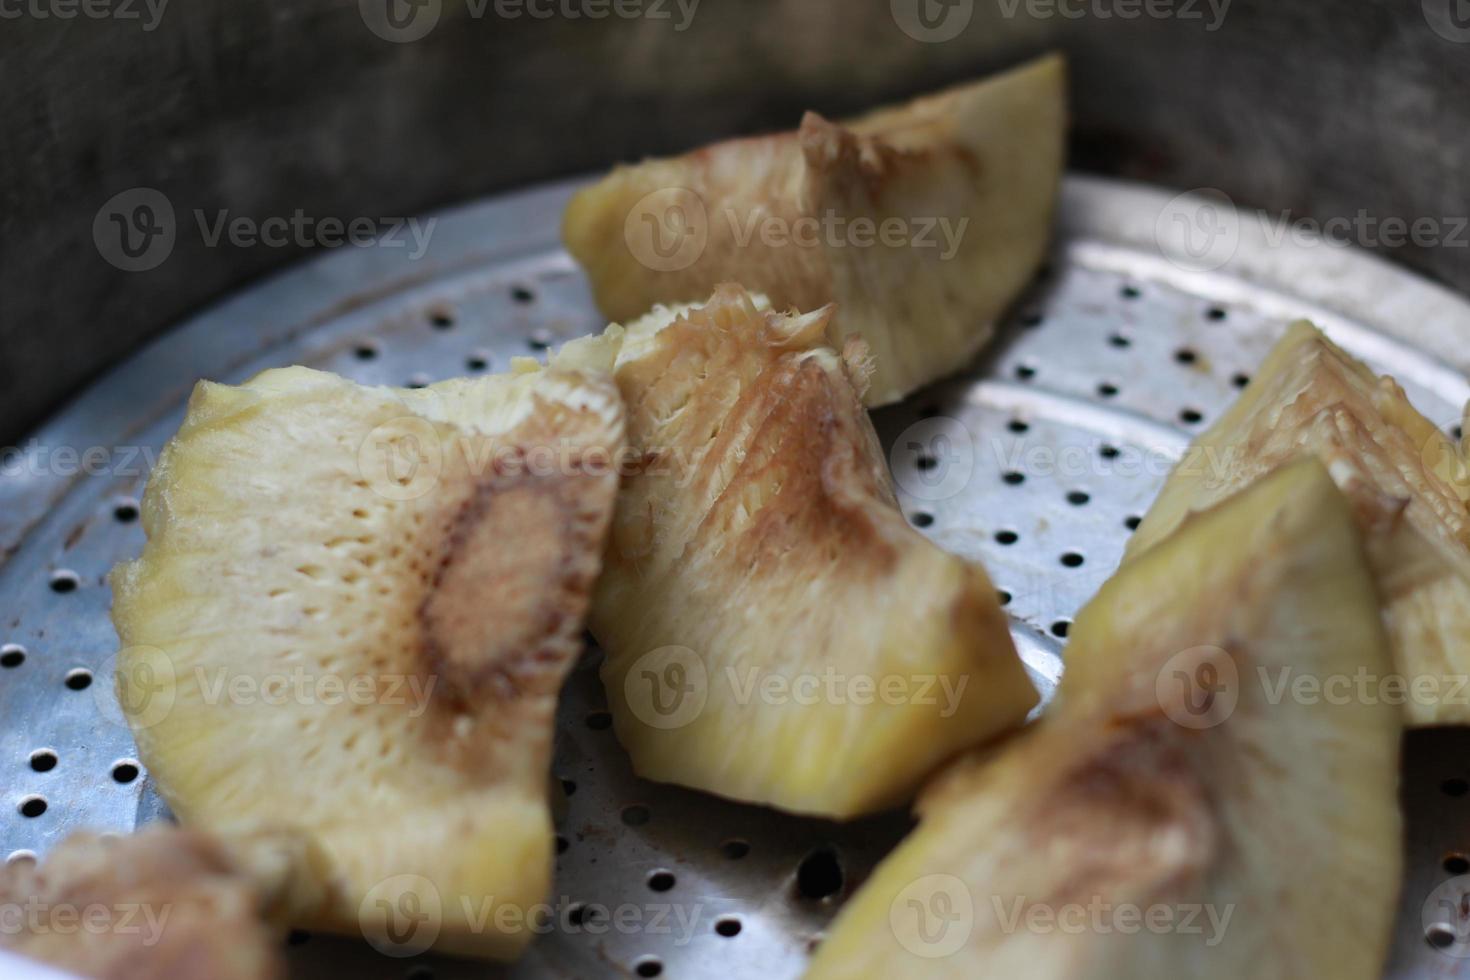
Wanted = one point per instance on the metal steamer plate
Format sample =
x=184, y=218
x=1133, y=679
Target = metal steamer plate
x=1038, y=460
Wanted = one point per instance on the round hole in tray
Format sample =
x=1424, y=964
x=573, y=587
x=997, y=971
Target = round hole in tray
x=43, y=760
x=820, y=875
x=1440, y=935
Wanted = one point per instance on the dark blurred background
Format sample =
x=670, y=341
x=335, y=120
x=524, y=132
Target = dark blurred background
x=339, y=107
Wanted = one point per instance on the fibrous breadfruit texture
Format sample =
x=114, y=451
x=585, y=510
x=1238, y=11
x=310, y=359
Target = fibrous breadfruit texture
x=1407, y=482
x=161, y=905
x=775, y=631
x=1178, y=811
x=921, y=222
x=353, y=615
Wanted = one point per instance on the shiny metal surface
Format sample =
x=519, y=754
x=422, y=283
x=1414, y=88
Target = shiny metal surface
x=261, y=109
x=1134, y=338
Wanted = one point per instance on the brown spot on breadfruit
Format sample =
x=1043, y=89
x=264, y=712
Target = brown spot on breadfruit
x=493, y=606
x=1133, y=807
x=500, y=624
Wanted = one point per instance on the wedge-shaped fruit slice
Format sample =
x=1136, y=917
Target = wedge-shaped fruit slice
x=922, y=222
x=1407, y=483
x=775, y=631
x=161, y=905
x=1171, y=815
x=353, y=614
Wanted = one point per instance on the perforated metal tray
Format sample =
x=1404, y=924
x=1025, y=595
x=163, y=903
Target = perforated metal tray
x=1140, y=332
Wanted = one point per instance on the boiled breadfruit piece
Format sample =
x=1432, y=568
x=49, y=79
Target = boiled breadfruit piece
x=775, y=630
x=164, y=904
x=353, y=614
x=1179, y=811
x=1408, y=484
x=922, y=222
